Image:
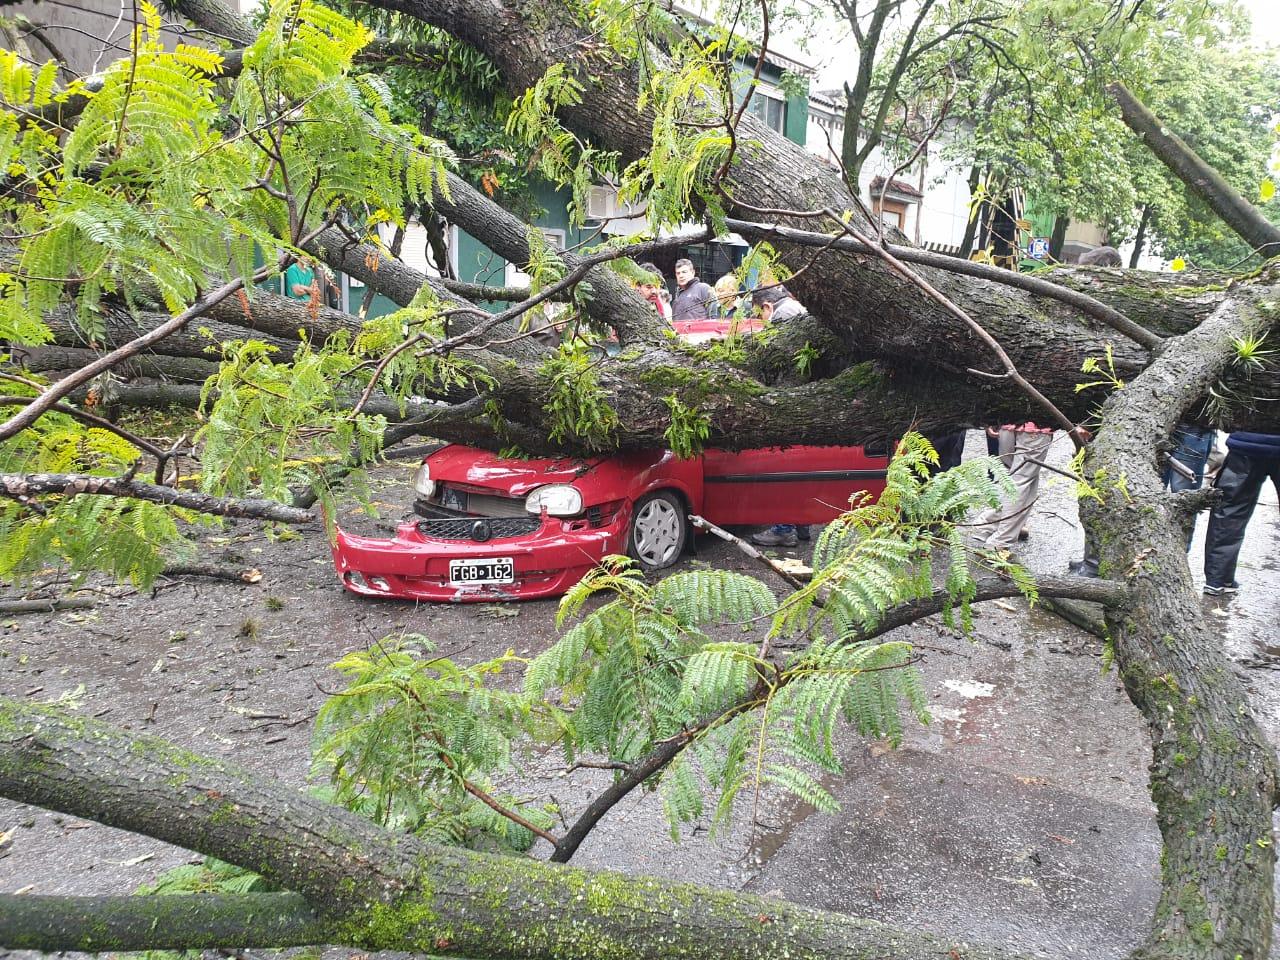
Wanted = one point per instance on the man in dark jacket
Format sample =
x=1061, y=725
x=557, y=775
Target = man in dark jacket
x=694, y=300
x=1251, y=459
x=776, y=304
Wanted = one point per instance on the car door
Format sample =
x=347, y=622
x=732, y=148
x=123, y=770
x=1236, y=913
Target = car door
x=798, y=485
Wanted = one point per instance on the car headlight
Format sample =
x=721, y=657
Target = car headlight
x=558, y=499
x=422, y=481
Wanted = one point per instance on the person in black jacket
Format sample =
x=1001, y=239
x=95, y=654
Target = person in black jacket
x=1251, y=459
x=694, y=300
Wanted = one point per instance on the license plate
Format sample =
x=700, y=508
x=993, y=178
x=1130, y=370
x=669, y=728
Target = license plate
x=492, y=570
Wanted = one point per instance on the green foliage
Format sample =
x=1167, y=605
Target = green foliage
x=645, y=666
x=805, y=357
x=166, y=180
x=270, y=421
x=410, y=733
x=449, y=90
x=131, y=540
x=1104, y=370
x=1234, y=393
x=689, y=428
x=576, y=407
x=559, y=155
x=675, y=180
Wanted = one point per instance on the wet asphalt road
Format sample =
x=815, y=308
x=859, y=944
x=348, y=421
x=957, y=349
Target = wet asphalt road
x=1019, y=816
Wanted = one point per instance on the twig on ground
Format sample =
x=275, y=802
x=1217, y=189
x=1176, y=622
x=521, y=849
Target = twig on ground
x=46, y=606
x=707, y=526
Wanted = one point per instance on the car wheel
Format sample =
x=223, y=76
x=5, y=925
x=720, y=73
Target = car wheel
x=658, y=530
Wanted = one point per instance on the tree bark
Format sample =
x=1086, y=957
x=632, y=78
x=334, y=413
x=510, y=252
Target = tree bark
x=1140, y=239
x=191, y=922
x=33, y=485
x=380, y=891
x=1059, y=235
x=975, y=215
x=157, y=366
x=1213, y=774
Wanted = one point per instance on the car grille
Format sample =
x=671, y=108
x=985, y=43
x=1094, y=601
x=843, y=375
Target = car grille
x=452, y=500
x=460, y=528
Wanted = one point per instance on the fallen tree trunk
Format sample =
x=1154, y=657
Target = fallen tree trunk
x=156, y=366
x=194, y=922
x=1213, y=773
x=382, y=891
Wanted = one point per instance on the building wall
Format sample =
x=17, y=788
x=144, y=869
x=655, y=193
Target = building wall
x=79, y=30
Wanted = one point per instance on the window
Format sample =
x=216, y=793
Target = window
x=768, y=104
x=515, y=277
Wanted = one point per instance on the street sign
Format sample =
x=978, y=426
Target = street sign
x=1038, y=248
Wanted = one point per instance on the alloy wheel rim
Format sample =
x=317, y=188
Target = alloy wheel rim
x=657, y=532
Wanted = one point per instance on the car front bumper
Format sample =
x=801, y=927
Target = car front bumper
x=413, y=566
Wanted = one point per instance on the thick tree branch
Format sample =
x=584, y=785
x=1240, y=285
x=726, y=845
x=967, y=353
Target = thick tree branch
x=189, y=922
x=385, y=891
x=1082, y=301
x=1209, y=185
x=1213, y=773
x=79, y=484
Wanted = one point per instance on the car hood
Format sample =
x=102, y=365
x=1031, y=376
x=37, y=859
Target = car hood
x=470, y=465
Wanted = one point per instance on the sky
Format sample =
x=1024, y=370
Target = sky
x=1266, y=22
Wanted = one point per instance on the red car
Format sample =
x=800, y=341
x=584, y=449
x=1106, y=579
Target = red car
x=715, y=328
x=498, y=529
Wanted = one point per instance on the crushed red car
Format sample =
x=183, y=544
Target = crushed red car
x=491, y=528
x=498, y=529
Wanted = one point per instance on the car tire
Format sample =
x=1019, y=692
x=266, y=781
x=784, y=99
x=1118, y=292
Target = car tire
x=658, y=531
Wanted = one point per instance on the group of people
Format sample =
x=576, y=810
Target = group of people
x=1250, y=460
x=695, y=299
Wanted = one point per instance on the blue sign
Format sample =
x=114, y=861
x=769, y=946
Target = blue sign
x=1038, y=248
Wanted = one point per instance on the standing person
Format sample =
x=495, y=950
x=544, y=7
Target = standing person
x=299, y=281
x=1194, y=446
x=1251, y=459
x=776, y=304
x=694, y=300
x=949, y=445
x=727, y=296
x=1023, y=447
x=650, y=287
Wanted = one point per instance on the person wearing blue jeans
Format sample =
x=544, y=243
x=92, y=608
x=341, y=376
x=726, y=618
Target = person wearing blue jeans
x=1252, y=458
x=1194, y=444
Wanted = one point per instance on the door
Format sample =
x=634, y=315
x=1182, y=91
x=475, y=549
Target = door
x=798, y=485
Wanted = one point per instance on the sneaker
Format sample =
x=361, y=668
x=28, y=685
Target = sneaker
x=1213, y=591
x=779, y=536
x=1083, y=568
